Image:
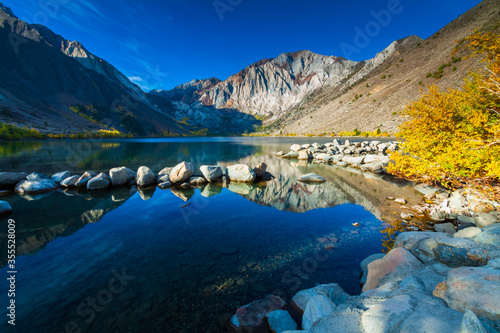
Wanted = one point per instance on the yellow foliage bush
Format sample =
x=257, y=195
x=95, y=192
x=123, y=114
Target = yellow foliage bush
x=452, y=138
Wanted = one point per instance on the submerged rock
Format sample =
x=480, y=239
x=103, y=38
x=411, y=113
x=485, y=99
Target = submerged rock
x=99, y=182
x=5, y=208
x=212, y=173
x=145, y=177
x=181, y=173
x=241, y=173
x=10, y=179
x=249, y=318
x=311, y=178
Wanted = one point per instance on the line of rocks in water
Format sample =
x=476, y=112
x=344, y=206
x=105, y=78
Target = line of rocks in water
x=181, y=175
x=366, y=155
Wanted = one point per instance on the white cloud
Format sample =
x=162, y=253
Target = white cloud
x=135, y=79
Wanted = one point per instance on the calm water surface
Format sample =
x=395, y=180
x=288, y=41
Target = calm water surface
x=129, y=260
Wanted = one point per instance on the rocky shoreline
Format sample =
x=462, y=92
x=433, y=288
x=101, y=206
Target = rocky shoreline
x=367, y=155
x=429, y=282
x=446, y=280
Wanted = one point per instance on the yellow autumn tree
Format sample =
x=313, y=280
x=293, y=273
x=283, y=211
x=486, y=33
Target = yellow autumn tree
x=452, y=138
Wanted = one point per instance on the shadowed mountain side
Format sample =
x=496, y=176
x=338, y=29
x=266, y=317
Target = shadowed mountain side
x=39, y=217
x=201, y=119
x=56, y=85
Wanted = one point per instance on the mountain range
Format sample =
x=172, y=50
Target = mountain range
x=57, y=86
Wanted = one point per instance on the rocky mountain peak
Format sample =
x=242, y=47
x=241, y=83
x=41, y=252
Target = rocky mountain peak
x=188, y=92
x=6, y=11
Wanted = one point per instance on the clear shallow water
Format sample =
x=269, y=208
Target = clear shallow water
x=185, y=266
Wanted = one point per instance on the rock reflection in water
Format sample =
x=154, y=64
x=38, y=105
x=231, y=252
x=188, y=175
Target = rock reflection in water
x=42, y=218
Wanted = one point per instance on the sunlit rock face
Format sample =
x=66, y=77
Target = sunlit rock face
x=271, y=86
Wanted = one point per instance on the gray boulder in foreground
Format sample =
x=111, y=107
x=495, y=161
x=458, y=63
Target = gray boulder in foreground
x=212, y=173
x=393, y=267
x=311, y=178
x=476, y=289
x=5, y=208
x=318, y=307
x=145, y=177
x=99, y=182
x=405, y=295
x=241, y=173
x=181, y=173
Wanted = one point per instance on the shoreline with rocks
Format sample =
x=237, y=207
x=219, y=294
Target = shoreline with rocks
x=429, y=282
x=446, y=280
x=449, y=278
x=366, y=155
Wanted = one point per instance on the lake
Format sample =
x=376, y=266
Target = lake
x=151, y=260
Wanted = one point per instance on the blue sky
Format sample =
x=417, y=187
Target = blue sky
x=159, y=44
